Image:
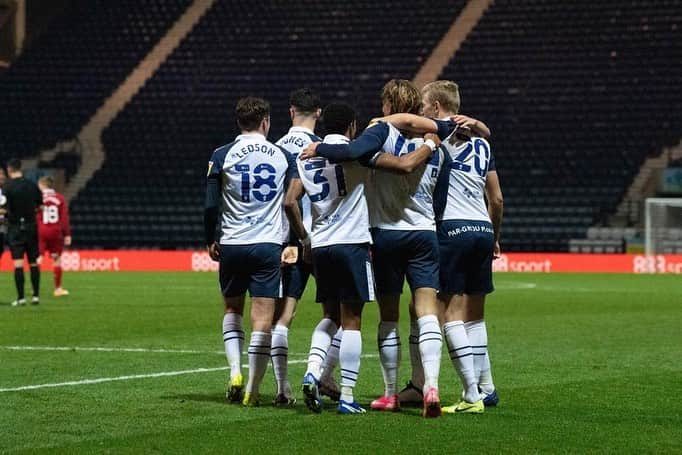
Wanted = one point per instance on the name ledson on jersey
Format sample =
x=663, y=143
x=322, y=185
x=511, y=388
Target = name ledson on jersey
x=250, y=148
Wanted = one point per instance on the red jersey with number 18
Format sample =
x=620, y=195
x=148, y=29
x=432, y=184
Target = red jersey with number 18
x=53, y=220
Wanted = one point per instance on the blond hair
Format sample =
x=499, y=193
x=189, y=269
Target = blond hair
x=403, y=96
x=445, y=92
x=47, y=181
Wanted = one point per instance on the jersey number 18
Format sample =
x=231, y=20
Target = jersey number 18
x=263, y=176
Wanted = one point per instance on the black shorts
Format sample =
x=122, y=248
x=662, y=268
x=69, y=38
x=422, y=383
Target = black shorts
x=466, y=257
x=23, y=239
x=343, y=273
x=399, y=254
x=295, y=277
x=255, y=268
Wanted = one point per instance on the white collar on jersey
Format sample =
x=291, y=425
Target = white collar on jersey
x=336, y=139
x=250, y=135
x=301, y=129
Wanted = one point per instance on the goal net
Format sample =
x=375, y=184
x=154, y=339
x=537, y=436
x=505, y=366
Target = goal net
x=663, y=226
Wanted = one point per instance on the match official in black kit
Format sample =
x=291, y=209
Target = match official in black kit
x=23, y=201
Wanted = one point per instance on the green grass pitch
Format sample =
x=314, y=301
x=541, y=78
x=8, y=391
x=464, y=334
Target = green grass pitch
x=582, y=363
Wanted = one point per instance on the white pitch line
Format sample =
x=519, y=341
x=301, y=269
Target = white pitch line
x=137, y=376
x=117, y=378
x=106, y=349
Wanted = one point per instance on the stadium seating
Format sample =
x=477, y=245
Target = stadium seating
x=549, y=77
x=49, y=93
x=151, y=188
x=573, y=109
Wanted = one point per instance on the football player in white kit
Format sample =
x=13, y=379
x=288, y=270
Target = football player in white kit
x=246, y=183
x=340, y=245
x=468, y=237
x=405, y=243
x=305, y=110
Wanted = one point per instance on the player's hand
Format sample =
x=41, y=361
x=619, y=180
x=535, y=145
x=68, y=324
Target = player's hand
x=433, y=137
x=464, y=122
x=307, y=250
x=67, y=240
x=497, y=252
x=213, y=251
x=376, y=120
x=309, y=152
x=289, y=255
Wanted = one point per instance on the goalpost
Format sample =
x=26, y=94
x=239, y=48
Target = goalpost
x=663, y=225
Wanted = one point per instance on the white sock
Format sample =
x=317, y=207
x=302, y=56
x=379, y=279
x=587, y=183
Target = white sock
x=259, y=356
x=332, y=358
x=319, y=345
x=416, y=357
x=478, y=345
x=233, y=337
x=462, y=358
x=430, y=346
x=389, y=355
x=478, y=336
x=486, y=380
x=279, y=352
x=349, y=358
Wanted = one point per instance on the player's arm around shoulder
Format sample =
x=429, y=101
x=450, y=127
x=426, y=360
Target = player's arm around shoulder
x=408, y=162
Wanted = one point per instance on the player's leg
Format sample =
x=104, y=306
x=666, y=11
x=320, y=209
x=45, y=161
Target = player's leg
x=262, y=310
x=320, y=344
x=33, y=253
x=459, y=347
x=17, y=248
x=265, y=287
x=412, y=394
x=388, y=339
x=233, y=285
x=389, y=264
x=328, y=385
x=321, y=340
x=294, y=279
x=57, y=248
x=479, y=284
x=349, y=355
x=454, y=253
x=422, y=276
x=355, y=288
x=233, y=338
x=478, y=336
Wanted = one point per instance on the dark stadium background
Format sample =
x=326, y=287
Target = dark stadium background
x=578, y=95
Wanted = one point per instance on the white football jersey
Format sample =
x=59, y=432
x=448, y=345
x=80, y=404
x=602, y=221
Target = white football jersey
x=294, y=142
x=404, y=202
x=460, y=194
x=253, y=174
x=337, y=197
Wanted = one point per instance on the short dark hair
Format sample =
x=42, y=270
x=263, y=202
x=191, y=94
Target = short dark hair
x=337, y=117
x=250, y=112
x=305, y=100
x=14, y=164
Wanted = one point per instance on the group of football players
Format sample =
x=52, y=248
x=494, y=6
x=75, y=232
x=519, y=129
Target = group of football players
x=34, y=221
x=415, y=196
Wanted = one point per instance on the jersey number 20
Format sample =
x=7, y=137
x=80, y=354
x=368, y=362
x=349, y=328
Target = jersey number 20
x=481, y=158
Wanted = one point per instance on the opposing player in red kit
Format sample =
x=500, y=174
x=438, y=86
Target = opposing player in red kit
x=54, y=231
